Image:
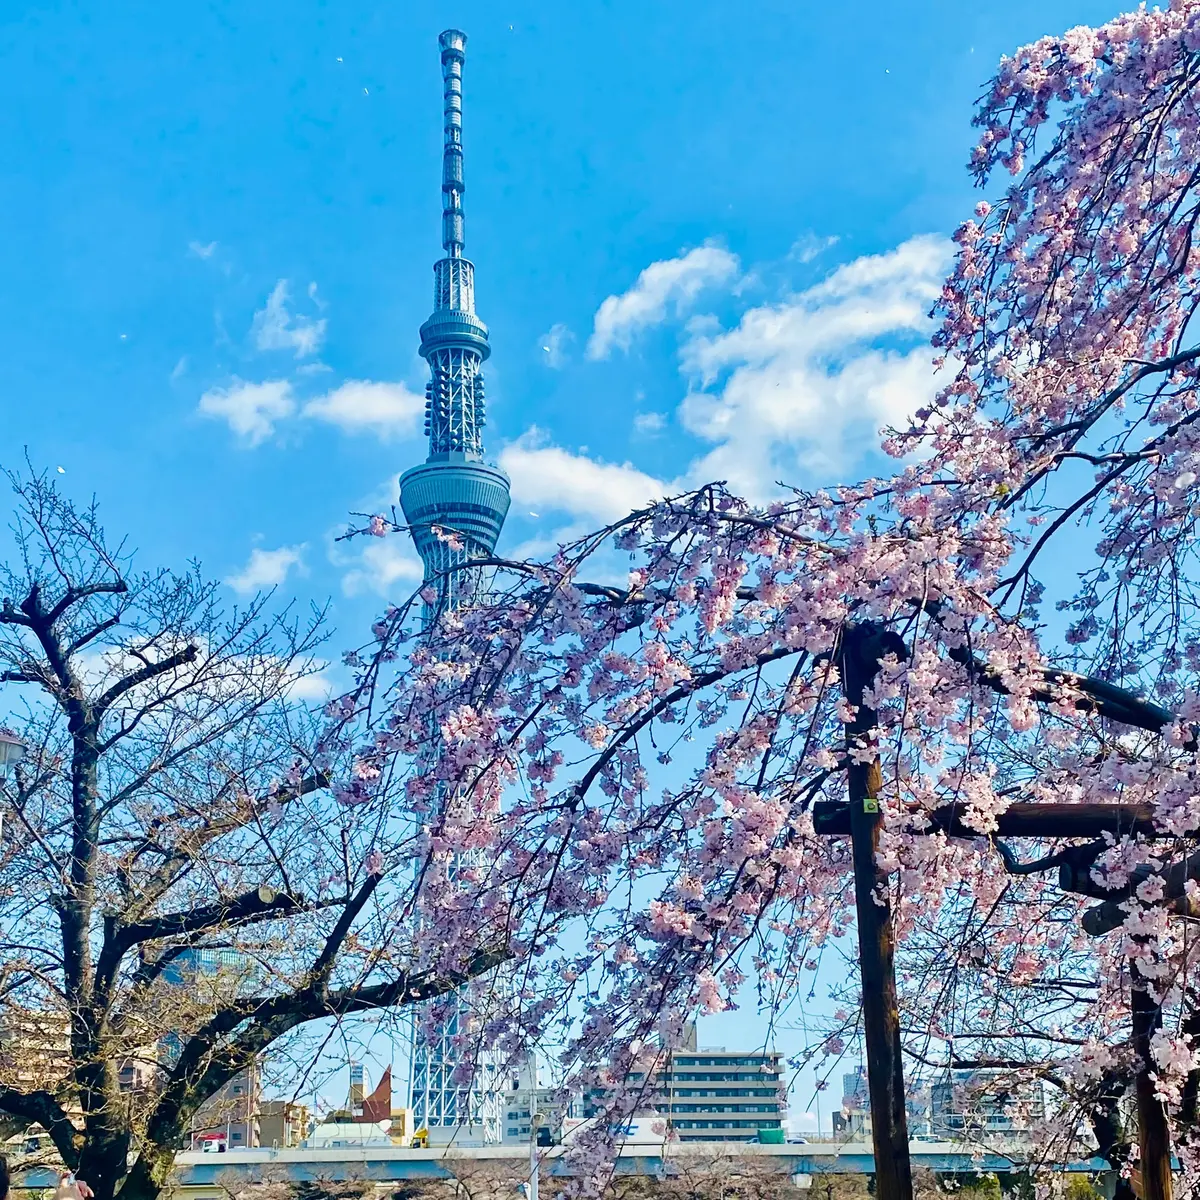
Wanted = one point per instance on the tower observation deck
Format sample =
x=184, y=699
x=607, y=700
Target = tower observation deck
x=454, y=492
x=455, y=505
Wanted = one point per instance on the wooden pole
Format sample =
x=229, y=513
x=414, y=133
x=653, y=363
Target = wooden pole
x=1154, y=1134
x=862, y=647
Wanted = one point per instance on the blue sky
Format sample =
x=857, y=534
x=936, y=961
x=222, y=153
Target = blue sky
x=705, y=234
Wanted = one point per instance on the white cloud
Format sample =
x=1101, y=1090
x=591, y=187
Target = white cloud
x=671, y=282
x=802, y=1121
x=251, y=409
x=315, y=680
x=546, y=477
x=202, y=251
x=649, y=422
x=267, y=569
x=796, y=391
x=277, y=328
x=554, y=345
x=801, y=387
x=385, y=566
x=363, y=406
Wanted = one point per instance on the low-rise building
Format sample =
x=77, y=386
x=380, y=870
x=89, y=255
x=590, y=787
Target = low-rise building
x=345, y=1135
x=282, y=1124
x=522, y=1099
x=403, y=1128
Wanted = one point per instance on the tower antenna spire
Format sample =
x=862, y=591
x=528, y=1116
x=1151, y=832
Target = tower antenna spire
x=453, y=43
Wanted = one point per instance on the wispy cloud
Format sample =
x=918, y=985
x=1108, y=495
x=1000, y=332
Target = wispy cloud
x=250, y=409
x=801, y=387
x=554, y=343
x=267, y=569
x=364, y=406
x=808, y=246
x=547, y=478
x=672, y=284
x=275, y=327
x=202, y=250
x=649, y=423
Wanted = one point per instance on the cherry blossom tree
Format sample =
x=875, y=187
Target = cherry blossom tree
x=639, y=733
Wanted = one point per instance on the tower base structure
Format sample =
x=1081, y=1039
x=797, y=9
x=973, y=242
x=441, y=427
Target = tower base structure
x=452, y=1114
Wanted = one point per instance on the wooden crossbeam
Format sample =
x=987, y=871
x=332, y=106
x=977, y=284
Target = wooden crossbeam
x=832, y=818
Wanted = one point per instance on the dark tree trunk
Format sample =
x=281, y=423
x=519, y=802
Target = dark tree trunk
x=102, y=1166
x=149, y=1175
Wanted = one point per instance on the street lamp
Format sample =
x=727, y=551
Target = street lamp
x=12, y=750
x=531, y=1189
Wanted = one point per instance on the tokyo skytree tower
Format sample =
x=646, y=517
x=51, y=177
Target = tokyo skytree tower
x=453, y=492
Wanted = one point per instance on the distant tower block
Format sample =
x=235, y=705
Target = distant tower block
x=454, y=492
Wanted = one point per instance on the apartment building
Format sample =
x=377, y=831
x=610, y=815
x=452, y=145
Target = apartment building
x=986, y=1102
x=854, y=1121
x=34, y=1048
x=35, y=1053
x=711, y=1094
x=229, y=1120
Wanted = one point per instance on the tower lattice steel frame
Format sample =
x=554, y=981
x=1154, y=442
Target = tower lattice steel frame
x=453, y=492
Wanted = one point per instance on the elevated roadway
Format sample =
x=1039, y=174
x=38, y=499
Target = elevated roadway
x=202, y=1173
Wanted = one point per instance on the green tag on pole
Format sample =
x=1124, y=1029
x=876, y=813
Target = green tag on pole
x=870, y=804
